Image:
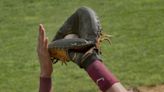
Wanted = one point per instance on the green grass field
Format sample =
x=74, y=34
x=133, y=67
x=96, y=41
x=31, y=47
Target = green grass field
x=136, y=55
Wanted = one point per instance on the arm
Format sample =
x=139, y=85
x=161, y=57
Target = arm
x=104, y=78
x=45, y=61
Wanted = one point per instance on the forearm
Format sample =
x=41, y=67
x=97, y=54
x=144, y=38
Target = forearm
x=45, y=79
x=104, y=78
x=45, y=84
x=101, y=75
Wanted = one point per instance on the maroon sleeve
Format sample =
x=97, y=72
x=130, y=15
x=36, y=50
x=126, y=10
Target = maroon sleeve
x=45, y=84
x=101, y=75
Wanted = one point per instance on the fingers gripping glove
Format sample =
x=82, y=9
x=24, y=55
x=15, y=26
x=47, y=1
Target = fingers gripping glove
x=85, y=24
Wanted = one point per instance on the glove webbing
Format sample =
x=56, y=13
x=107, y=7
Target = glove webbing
x=101, y=39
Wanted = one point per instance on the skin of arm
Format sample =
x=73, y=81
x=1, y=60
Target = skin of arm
x=117, y=87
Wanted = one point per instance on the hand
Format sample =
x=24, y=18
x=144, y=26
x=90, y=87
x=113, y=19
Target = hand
x=43, y=54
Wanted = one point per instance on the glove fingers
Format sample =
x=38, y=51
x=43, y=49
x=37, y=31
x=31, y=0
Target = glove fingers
x=59, y=49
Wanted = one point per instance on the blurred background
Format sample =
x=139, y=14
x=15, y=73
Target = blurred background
x=136, y=55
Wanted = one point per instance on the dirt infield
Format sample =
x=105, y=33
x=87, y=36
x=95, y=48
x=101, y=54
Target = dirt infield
x=159, y=88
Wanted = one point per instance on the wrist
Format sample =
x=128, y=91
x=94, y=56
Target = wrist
x=45, y=74
x=46, y=69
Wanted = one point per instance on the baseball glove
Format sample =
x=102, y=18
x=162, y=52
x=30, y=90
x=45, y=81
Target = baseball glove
x=85, y=25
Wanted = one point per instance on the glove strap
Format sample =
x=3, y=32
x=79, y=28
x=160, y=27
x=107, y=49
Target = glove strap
x=88, y=58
